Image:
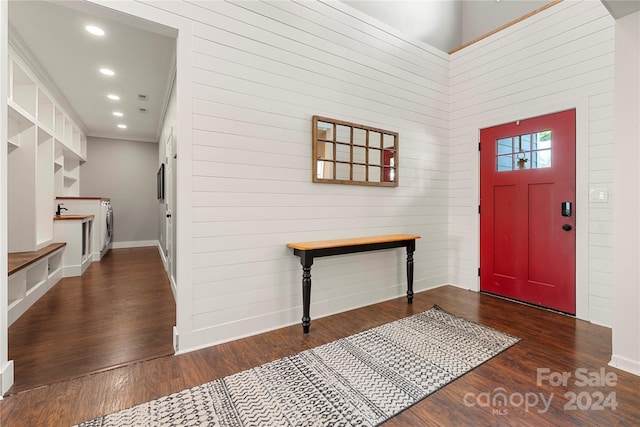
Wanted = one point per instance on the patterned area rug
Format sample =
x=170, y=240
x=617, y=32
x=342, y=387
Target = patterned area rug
x=361, y=380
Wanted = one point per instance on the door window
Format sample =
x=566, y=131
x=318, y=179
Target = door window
x=521, y=152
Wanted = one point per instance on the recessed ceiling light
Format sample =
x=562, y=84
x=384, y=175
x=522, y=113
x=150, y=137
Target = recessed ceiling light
x=96, y=31
x=117, y=114
x=121, y=126
x=113, y=97
x=107, y=72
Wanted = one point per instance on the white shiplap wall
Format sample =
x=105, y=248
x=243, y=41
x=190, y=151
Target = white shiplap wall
x=559, y=59
x=260, y=70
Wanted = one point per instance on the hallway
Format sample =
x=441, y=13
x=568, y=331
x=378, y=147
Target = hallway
x=120, y=311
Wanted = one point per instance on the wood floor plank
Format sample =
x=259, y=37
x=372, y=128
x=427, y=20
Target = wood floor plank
x=121, y=310
x=549, y=340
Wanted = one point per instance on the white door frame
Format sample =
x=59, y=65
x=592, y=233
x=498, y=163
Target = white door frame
x=581, y=105
x=184, y=322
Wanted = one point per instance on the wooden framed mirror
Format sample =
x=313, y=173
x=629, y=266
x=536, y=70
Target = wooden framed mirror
x=349, y=153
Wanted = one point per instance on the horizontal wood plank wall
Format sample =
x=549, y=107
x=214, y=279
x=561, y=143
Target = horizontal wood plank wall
x=562, y=54
x=261, y=70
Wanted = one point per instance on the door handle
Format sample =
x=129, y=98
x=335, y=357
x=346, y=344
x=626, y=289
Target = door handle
x=566, y=227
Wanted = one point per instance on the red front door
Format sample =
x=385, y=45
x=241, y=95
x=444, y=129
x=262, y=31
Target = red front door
x=527, y=215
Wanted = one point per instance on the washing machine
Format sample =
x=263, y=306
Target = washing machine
x=106, y=225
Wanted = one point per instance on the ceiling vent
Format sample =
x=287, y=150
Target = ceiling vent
x=142, y=97
x=143, y=110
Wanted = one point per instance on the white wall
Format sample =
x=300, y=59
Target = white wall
x=260, y=71
x=254, y=73
x=559, y=59
x=626, y=319
x=124, y=171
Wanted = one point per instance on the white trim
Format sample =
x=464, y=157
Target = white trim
x=6, y=376
x=6, y=370
x=627, y=365
x=165, y=263
x=134, y=244
x=184, y=126
x=581, y=105
x=261, y=323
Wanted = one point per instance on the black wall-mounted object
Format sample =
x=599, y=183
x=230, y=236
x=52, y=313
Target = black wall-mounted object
x=160, y=182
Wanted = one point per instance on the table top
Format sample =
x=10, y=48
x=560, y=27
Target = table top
x=354, y=241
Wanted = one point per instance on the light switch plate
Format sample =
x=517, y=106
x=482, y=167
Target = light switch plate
x=599, y=195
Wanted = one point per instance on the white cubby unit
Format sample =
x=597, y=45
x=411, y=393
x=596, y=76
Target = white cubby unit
x=45, y=150
x=31, y=275
x=77, y=231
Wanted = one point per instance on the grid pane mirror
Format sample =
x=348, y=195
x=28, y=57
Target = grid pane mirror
x=349, y=153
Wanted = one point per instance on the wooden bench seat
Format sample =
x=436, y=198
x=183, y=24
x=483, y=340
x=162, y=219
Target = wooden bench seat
x=19, y=260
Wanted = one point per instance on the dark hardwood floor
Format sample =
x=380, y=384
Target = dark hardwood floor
x=121, y=310
x=549, y=341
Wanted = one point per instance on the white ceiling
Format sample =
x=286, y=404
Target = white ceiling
x=621, y=8
x=70, y=57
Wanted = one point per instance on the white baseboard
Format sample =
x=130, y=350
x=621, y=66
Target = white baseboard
x=174, y=289
x=71, y=271
x=625, y=364
x=6, y=378
x=165, y=263
x=134, y=244
x=219, y=334
x=163, y=256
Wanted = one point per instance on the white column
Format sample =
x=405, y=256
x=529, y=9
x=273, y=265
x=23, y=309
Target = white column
x=626, y=317
x=6, y=366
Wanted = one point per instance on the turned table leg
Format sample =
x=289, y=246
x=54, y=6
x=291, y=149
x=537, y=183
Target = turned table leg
x=411, y=247
x=307, y=261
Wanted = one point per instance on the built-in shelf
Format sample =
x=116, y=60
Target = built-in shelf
x=45, y=110
x=31, y=275
x=23, y=89
x=13, y=303
x=59, y=124
x=45, y=149
x=44, y=135
x=16, y=112
x=36, y=276
x=77, y=232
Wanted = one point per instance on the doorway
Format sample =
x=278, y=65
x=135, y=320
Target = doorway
x=528, y=211
x=146, y=110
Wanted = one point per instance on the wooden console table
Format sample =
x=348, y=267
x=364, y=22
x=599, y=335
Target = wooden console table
x=307, y=251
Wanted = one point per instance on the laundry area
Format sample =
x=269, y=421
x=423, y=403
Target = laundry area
x=101, y=209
